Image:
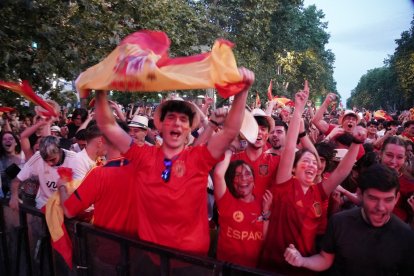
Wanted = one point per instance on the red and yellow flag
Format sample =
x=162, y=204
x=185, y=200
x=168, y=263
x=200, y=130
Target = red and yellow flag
x=381, y=114
x=269, y=91
x=24, y=89
x=141, y=63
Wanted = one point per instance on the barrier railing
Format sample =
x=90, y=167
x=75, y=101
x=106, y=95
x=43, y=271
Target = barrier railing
x=25, y=249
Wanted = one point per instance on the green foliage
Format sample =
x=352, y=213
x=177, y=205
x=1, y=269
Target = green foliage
x=277, y=39
x=390, y=87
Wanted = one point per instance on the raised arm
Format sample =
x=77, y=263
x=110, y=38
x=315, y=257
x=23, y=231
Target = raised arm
x=217, y=118
x=118, y=111
x=220, y=142
x=317, y=120
x=284, y=172
x=218, y=176
x=345, y=166
x=107, y=124
x=24, y=137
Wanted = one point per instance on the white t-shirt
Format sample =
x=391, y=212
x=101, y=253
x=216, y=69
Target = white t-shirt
x=82, y=165
x=47, y=175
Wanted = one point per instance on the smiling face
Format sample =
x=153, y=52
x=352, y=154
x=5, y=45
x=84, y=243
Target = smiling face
x=393, y=156
x=277, y=137
x=349, y=122
x=378, y=205
x=306, y=168
x=175, y=129
x=138, y=134
x=261, y=137
x=243, y=181
x=9, y=143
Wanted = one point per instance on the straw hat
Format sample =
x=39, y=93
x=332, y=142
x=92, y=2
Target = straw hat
x=139, y=121
x=249, y=128
x=260, y=113
x=349, y=113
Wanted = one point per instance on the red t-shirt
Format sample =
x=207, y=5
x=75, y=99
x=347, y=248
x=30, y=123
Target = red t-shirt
x=402, y=208
x=173, y=213
x=241, y=233
x=294, y=220
x=361, y=150
x=264, y=169
x=112, y=191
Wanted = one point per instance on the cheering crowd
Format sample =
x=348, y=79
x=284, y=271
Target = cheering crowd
x=291, y=190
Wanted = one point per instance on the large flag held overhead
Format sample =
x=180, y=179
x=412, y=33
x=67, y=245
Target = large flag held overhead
x=141, y=63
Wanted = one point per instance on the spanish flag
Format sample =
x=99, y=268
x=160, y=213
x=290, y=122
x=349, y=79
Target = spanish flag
x=24, y=89
x=55, y=217
x=141, y=63
x=381, y=114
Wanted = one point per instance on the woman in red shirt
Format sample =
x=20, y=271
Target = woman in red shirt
x=393, y=155
x=297, y=209
x=243, y=217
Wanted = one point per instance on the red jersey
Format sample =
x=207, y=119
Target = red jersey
x=402, y=208
x=241, y=231
x=295, y=219
x=264, y=170
x=112, y=191
x=173, y=213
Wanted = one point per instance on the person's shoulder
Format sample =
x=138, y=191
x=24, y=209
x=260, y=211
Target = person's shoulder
x=70, y=154
x=34, y=159
x=354, y=213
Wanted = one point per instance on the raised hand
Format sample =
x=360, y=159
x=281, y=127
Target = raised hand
x=360, y=134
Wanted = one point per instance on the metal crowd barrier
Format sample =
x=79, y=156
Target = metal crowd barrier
x=25, y=249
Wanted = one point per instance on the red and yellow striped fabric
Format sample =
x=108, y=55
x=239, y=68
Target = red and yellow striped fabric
x=141, y=63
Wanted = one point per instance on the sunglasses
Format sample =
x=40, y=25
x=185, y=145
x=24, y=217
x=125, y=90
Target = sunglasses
x=166, y=173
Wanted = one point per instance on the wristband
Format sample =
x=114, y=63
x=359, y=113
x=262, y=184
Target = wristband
x=214, y=123
x=265, y=216
x=356, y=141
x=302, y=134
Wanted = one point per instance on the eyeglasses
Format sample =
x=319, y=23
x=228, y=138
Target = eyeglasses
x=166, y=173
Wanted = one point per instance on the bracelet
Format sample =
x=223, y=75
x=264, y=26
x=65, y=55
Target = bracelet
x=214, y=123
x=302, y=134
x=266, y=216
x=356, y=141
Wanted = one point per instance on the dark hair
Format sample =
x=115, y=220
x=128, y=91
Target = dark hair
x=408, y=123
x=81, y=135
x=300, y=153
x=18, y=147
x=279, y=122
x=231, y=173
x=394, y=140
x=262, y=121
x=92, y=132
x=379, y=177
x=327, y=151
x=151, y=124
x=179, y=107
x=372, y=123
x=81, y=112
